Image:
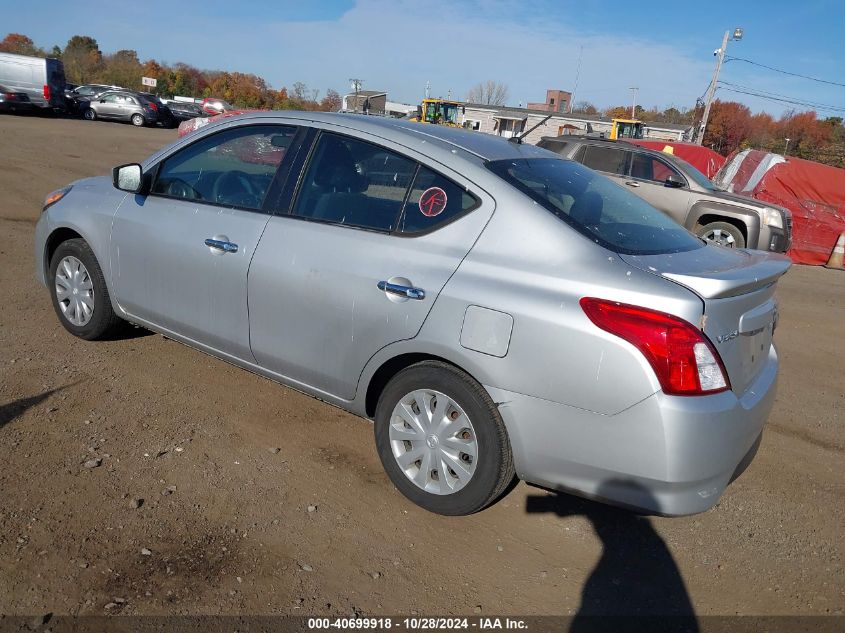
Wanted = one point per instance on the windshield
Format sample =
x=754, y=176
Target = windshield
x=596, y=207
x=441, y=113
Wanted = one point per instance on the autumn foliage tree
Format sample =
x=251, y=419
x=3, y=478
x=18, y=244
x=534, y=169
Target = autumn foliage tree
x=20, y=45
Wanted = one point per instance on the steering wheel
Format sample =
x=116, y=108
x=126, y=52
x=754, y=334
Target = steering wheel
x=232, y=186
x=180, y=189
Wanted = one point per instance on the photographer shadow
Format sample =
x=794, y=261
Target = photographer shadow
x=636, y=581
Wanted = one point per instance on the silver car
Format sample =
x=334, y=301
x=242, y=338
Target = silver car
x=499, y=312
x=121, y=105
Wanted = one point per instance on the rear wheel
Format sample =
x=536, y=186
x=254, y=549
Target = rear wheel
x=441, y=439
x=89, y=114
x=722, y=233
x=79, y=293
x=137, y=120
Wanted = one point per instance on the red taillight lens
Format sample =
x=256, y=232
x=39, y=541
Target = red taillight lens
x=46, y=92
x=685, y=361
x=153, y=106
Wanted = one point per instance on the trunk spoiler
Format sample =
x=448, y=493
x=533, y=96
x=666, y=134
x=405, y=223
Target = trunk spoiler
x=715, y=272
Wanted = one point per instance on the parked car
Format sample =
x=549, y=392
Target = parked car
x=495, y=309
x=212, y=106
x=79, y=97
x=122, y=106
x=11, y=101
x=675, y=187
x=165, y=115
x=42, y=80
x=185, y=110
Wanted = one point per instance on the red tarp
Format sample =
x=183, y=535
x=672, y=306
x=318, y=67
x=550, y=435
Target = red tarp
x=815, y=194
x=704, y=159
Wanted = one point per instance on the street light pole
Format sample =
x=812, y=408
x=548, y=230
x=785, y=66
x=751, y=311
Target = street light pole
x=711, y=91
x=634, y=104
x=786, y=147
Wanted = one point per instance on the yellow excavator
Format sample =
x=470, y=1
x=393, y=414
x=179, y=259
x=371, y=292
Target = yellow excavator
x=626, y=128
x=439, y=112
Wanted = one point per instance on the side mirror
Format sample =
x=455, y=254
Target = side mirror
x=673, y=182
x=102, y=100
x=128, y=178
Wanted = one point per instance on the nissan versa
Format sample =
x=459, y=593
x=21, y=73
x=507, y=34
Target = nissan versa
x=498, y=311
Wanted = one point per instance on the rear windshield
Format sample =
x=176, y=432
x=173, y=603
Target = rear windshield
x=596, y=207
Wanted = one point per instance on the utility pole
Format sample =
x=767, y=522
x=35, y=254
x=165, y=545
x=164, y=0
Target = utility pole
x=427, y=89
x=356, y=86
x=634, y=105
x=711, y=91
x=577, y=77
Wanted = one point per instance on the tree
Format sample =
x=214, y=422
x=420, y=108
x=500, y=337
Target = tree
x=618, y=112
x=122, y=69
x=728, y=126
x=82, y=59
x=331, y=102
x=20, y=45
x=584, y=107
x=489, y=92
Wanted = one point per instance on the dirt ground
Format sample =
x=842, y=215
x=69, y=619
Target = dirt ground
x=228, y=524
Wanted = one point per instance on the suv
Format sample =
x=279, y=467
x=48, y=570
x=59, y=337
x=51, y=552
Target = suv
x=682, y=192
x=122, y=105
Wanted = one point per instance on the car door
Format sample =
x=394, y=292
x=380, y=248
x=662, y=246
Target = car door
x=357, y=261
x=180, y=255
x=660, y=184
x=108, y=106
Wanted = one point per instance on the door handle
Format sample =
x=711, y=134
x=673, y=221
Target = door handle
x=631, y=183
x=409, y=292
x=221, y=245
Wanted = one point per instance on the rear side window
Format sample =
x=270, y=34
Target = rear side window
x=434, y=200
x=606, y=159
x=354, y=183
x=596, y=207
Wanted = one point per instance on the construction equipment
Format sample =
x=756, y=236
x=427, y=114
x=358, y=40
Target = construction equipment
x=439, y=112
x=626, y=128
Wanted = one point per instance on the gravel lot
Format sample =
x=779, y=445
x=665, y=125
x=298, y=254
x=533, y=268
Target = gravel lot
x=209, y=490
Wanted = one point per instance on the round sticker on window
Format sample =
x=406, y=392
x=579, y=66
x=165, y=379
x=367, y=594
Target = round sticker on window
x=432, y=202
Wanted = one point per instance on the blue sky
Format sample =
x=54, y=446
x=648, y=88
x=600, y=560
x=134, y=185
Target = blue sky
x=530, y=45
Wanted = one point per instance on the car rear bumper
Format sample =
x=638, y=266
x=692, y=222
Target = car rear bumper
x=667, y=455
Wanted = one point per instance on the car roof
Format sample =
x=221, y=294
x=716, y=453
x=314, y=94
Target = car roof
x=448, y=139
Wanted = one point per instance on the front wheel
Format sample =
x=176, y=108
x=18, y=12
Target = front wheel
x=137, y=120
x=722, y=233
x=442, y=440
x=89, y=115
x=79, y=293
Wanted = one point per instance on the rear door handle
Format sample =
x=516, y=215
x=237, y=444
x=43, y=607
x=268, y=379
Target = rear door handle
x=222, y=245
x=409, y=292
x=631, y=183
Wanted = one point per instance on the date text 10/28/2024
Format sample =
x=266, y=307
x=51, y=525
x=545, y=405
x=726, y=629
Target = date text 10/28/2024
x=417, y=624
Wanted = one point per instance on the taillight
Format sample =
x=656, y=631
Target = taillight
x=684, y=360
x=153, y=106
x=46, y=92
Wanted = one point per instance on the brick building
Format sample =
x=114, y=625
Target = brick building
x=556, y=101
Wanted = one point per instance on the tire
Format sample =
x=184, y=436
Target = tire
x=88, y=312
x=470, y=421
x=722, y=233
x=137, y=120
x=89, y=115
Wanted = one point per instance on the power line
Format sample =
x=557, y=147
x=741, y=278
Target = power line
x=785, y=72
x=779, y=95
x=791, y=101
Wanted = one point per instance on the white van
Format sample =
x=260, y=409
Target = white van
x=43, y=80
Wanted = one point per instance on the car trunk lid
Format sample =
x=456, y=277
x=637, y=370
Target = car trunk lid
x=737, y=288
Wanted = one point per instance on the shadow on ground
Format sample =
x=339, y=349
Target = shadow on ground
x=636, y=575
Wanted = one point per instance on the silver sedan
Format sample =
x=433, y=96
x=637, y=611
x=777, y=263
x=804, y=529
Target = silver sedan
x=497, y=311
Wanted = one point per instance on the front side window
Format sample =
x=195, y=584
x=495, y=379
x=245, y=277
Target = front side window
x=232, y=168
x=596, y=207
x=607, y=159
x=645, y=167
x=354, y=183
